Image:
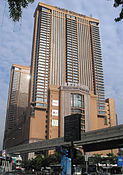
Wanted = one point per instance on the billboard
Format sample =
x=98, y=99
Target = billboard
x=54, y=122
x=4, y=154
x=72, y=127
x=65, y=165
x=55, y=103
x=54, y=112
x=119, y=161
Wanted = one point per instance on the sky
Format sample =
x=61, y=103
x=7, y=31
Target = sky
x=16, y=46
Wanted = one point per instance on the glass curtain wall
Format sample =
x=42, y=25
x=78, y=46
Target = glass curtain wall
x=41, y=71
x=98, y=69
x=57, y=48
x=84, y=53
x=72, y=71
x=78, y=106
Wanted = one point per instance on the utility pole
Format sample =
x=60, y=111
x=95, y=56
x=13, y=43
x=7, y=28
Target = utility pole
x=86, y=161
x=72, y=158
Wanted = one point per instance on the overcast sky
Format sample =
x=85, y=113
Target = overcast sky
x=16, y=44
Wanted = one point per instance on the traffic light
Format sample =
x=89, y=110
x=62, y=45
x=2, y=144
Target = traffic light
x=68, y=152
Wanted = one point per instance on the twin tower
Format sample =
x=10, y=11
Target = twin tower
x=65, y=77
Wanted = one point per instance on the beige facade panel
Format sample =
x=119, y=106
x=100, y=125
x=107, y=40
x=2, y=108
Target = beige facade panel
x=53, y=113
x=69, y=93
x=68, y=12
x=111, y=113
x=93, y=112
x=38, y=125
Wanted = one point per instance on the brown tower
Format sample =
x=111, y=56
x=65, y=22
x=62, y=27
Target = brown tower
x=17, y=106
x=66, y=72
x=66, y=78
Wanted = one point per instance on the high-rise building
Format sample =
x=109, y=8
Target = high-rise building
x=17, y=105
x=110, y=112
x=66, y=77
x=66, y=72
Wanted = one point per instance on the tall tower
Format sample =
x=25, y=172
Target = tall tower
x=17, y=105
x=111, y=114
x=66, y=72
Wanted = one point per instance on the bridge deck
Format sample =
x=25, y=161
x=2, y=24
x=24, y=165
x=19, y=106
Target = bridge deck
x=102, y=139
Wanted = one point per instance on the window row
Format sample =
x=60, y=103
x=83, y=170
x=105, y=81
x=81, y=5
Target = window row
x=41, y=104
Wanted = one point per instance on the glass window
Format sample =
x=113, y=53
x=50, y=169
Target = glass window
x=101, y=107
x=76, y=110
x=39, y=104
x=45, y=105
x=76, y=101
x=39, y=92
x=39, y=99
x=101, y=112
x=45, y=100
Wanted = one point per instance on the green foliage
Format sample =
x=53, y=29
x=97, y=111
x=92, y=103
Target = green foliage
x=54, y=159
x=78, y=158
x=116, y=4
x=26, y=164
x=112, y=159
x=109, y=159
x=95, y=159
x=120, y=16
x=15, y=8
x=120, y=153
x=42, y=161
x=48, y=160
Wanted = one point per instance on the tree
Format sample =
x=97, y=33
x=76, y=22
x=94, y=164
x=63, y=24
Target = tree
x=42, y=161
x=78, y=158
x=112, y=159
x=95, y=159
x=116, y=4
x=15, y=8
x=120, y=152
x=26, y=164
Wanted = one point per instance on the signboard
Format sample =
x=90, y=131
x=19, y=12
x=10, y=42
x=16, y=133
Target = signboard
x=86, y=158
x=65, y=165
x=4, y=154
x=55, y=103
x=54, y=122
x=72, y=127
x=54, y=112
x=119, y=161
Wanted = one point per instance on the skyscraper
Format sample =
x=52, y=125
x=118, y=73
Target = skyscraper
x=66, y=77
x=66, y=48
x=66, y=72
x=17, y=105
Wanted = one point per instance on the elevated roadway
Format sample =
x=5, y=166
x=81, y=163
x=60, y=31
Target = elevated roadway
x=102, y=139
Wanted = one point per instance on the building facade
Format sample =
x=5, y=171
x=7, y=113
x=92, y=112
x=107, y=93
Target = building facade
x=110, y=112
x=66, y=72
x=17, y=105
x=66, y=77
